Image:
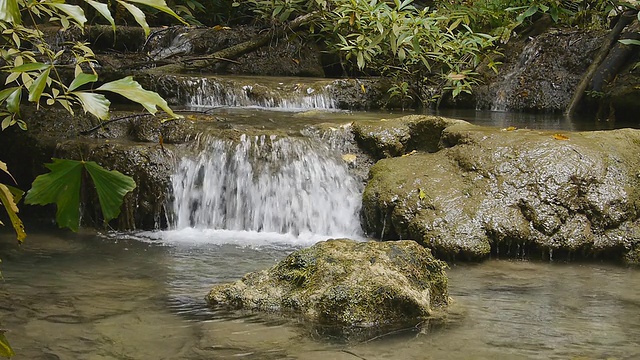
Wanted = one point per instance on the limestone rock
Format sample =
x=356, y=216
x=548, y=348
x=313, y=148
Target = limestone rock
x=345, y=283
x=495, y=190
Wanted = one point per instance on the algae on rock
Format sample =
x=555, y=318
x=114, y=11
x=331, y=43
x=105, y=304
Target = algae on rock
x=493, y=189
x=345, y=283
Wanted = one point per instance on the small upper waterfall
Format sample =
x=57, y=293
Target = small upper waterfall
x=267, y=184
x=239, y=92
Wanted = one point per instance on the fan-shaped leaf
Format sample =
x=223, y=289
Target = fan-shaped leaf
x=62, y=187
x=111, y=187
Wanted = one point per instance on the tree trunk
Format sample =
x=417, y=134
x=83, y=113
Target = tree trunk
x=611, y=40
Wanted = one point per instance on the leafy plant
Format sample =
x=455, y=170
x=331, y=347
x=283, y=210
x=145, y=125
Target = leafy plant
x=31, y=69
x=62, y=187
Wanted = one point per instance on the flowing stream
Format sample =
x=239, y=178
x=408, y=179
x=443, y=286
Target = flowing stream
x=242, y=205
x=86, y=296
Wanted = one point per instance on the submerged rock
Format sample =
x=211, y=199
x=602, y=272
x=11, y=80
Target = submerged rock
x=345, y=283
x=498, y=190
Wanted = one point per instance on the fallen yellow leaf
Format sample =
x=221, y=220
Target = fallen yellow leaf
x=560, y=137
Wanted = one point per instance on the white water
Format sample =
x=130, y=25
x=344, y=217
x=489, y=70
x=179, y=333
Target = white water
x=264, y=189
x=210, y=92
x=510, y=81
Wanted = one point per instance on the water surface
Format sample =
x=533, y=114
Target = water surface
x=85, y=296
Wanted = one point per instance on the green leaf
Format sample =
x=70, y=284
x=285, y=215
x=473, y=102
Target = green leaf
x=7, y=92
x=62, y=187
x=5, y=348
x=103, y=9
x=160, y=5
x=32, y=66
x=10, y=12
x=130, y=89
x=138, y=15
x=36, y=88
x=81, y=79
x=630, y=41
x=74, y=11
x=111, y=187
x=7, y=199
x=5, y=169
x=96, y=104
x=13, y=101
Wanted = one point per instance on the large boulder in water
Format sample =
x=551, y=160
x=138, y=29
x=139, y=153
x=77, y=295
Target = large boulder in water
x=345, y=283
x=507, y=190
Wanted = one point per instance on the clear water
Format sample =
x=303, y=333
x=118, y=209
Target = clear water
x=83, y=296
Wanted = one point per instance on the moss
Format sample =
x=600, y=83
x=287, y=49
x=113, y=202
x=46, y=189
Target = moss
x=486, y=186
x=346, y=283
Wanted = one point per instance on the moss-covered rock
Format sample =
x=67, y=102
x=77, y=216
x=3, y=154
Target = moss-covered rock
x=345, y=283
x=491, y=189
x=395, y=137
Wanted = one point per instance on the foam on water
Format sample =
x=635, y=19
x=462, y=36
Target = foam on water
x=264, y=190
x=254, y=239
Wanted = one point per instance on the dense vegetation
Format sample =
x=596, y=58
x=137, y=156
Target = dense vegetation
x=426, y=47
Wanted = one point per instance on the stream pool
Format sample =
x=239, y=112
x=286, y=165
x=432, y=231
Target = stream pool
x=123, y=296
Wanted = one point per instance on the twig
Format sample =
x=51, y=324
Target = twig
x=103, y=123
x=352, y=353
x=212, y=57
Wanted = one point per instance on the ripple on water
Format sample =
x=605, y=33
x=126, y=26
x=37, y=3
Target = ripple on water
x=119, y=297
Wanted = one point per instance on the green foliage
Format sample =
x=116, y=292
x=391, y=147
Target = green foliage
x=9, y=198
x=62, y=187
x=5, y=348
x=393, y=38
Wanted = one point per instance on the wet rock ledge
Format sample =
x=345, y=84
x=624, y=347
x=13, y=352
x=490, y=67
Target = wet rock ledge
x=470, y=191
x=345, y=283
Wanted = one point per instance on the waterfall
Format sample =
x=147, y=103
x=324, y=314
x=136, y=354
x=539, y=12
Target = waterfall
x=267, y=184
x=509, y=83
x=214, y=92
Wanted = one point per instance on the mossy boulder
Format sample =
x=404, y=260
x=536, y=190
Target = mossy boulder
x=345, y=283
x=394, y=137
x=490, y=189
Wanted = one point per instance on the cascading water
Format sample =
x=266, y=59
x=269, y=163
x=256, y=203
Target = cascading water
x=293, y=186
x=214, y=92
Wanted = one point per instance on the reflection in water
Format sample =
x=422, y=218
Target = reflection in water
x=69, y=296
x=541, y=121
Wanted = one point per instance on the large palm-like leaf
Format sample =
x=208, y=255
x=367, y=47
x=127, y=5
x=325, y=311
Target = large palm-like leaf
x=62, y=187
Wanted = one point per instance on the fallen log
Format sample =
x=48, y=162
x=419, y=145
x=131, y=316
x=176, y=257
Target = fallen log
x=235, y=51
